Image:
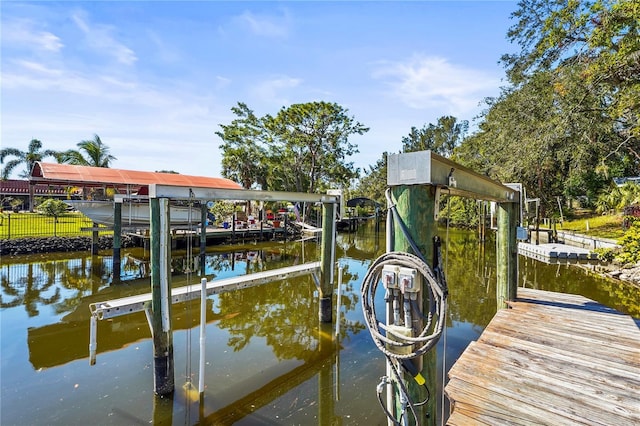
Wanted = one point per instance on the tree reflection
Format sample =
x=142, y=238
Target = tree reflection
x=29, y=289
x=285, y=313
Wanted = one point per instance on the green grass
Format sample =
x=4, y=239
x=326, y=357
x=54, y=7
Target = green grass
x=604, y=226
x=18, y=225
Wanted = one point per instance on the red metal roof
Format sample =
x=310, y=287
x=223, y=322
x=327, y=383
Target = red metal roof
x=94, y=176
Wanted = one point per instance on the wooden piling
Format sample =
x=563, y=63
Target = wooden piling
x=163, y=383
x=94, y=240
x=327, y=260
x=203, y=227
x=416, y=206
x=117, y=239
x=506, y=254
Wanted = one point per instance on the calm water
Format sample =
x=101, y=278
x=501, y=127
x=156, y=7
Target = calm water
x=269, y=361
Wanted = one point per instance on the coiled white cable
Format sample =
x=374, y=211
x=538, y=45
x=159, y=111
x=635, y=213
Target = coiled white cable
x=385, y=337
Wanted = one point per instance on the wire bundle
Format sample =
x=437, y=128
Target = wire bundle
x=380, y=333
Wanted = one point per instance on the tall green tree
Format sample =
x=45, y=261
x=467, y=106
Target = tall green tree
x=243, y=148
x=304, y=148
x=441, y=138
x=27, y=158
x=599, y=41
x=91, y=152
x=568, y=121
x=311, y=144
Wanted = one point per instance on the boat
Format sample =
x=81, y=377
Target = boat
x=134, y=213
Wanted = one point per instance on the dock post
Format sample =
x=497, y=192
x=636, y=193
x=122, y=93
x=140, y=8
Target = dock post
x=327, y=260
x=416, y=206
x=203, y=228
x=94, y=239
x=163, y=375
x=203, y=236
x=506, y=254
x=117, y=239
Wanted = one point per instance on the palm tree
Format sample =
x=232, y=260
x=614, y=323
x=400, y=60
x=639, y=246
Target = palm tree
x=29, y=158
x=90, y=153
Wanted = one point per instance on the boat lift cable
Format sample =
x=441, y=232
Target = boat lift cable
x=401, y=347
x=442, y=278
x=188, y=385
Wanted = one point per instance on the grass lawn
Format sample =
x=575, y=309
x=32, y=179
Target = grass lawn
x=604, y=226
x=18, y=225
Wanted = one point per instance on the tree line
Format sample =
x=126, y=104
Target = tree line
x=92, y=152
x=564, y=125
x=567, y=122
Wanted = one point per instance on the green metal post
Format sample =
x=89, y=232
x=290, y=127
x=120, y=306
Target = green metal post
x=161, y=294
x=203, y=228
x=416, y=207
x=506, y=254
x=117, y=239
x=327, y=260
x=94, y=240
x=203, y=237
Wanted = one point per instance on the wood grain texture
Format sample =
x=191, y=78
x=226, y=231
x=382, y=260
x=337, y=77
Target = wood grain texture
x=552, y=359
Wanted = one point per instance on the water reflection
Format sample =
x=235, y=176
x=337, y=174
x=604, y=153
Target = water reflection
x=269, y=360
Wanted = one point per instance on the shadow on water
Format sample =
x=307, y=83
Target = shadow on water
x=269, y=360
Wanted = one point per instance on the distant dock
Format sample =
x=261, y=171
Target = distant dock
x=552, y=359
x=556, y=252
x=213, y=235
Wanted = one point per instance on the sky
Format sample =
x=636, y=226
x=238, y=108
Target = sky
x=155, y=80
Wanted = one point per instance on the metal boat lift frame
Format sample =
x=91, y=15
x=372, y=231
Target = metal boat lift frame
x=157, y=304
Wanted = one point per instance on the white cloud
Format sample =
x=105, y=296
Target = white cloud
x=23, y=33
x=433, y=82
x=268, y=26
x=100, y=38
x=164, y=50
x=275, y=89
x=39, y=68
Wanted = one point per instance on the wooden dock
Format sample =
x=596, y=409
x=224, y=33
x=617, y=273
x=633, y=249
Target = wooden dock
x=552, y=359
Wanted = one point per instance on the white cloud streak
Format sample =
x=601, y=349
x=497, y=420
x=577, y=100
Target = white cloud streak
x=274, y=90
x=24, y=33
x=433, y=82
x=266, y=26
x=100, y=38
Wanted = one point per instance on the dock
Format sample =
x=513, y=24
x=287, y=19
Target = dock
x=184, y=234
x=551, y=359
x=556, y=252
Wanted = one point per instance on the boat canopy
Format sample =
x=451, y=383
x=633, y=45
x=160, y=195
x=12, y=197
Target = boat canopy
x=66, y=174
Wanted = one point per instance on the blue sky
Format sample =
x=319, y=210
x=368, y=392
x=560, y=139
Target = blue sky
x=156, y=79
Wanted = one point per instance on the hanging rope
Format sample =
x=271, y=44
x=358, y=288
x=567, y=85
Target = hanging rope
x=399, y=346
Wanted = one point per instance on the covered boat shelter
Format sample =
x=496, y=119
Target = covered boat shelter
x=123, y=181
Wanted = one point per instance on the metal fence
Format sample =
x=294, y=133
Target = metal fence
x=19, y=225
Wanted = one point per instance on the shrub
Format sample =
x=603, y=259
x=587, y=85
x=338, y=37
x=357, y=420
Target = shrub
x=52, y=207
x=630, y=243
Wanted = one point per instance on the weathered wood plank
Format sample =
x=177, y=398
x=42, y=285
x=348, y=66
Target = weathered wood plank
x=606, y=366
x=563, y=322
x=598, y=349
x=574, y=324
x=554, y=379
x=491, y=403
x=552, y=359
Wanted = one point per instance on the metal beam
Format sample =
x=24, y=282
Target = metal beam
x=186, y=193
x=426, y=167
x=128, y=305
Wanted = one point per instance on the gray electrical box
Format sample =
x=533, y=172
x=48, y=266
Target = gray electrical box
x=411, y=168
